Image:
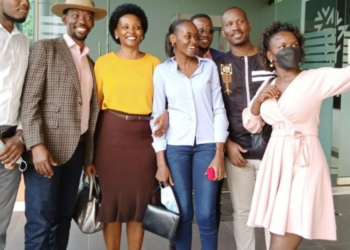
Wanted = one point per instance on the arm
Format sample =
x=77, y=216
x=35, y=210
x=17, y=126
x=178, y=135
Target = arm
x=99, y=83
x=220, y=125
x=163, y=174
x=33, y=90
x=159, y=101
x=333, y=81
x=159, y=143
x=251, y=116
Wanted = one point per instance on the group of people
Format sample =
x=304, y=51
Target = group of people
x=135, y=121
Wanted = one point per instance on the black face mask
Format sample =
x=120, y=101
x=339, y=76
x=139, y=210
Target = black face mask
x=289, y=58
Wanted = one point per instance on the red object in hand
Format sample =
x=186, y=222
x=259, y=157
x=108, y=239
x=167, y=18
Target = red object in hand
x=211, y=174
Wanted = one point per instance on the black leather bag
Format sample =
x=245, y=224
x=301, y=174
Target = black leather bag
x=159, y=220
x=260, y=140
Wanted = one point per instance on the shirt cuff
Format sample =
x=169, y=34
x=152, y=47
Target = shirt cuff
x=19, y=126
x=221, y=136
x=159, y=145
x=253, y=117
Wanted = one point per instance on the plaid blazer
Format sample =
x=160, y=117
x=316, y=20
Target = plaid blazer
x=51, y=102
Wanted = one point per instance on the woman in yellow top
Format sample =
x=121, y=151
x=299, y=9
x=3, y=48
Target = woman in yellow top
x=124, y=157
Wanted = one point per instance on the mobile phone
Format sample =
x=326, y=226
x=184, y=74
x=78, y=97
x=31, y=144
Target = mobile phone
x=211, y=174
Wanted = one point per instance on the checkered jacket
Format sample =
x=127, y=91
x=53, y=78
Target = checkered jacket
x=51, y=102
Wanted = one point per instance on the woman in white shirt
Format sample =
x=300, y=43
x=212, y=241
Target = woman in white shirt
x=196, y=135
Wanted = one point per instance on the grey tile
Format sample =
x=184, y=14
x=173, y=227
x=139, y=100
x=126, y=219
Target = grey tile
x=154, y=242
x=226, y=238
x=342, y=204
x=343, y=222
x=260, y=243
x=311, y=248
x=308, y=243
x=78, y=240
x=96, y=241
x=16, y=216
x=338, y=247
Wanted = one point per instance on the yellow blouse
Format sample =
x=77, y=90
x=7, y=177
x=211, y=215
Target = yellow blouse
x=125, y=85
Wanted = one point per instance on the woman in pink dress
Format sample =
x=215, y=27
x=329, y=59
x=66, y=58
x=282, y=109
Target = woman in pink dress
x=293, y=194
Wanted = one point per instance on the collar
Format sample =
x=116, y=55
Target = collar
x=15, y=31
x=71, y=44
x=172, y=64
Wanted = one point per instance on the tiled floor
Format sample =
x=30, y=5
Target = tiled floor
x=79, y=241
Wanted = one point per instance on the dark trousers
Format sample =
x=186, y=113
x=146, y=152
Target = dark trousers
x=50, y=203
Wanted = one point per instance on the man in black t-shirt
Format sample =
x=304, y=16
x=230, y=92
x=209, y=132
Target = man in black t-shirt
x=241, y=76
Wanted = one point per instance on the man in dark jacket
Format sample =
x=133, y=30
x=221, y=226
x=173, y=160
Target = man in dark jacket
x=204, y=25
x=241, y=77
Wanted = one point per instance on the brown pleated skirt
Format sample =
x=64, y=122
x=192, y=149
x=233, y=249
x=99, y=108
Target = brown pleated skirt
x=126, y=166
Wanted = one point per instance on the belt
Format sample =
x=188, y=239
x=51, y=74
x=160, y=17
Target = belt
x=7, y=131
x=299, y=145
x=130, y=117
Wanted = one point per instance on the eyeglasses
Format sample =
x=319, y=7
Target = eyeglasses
x=208, y=32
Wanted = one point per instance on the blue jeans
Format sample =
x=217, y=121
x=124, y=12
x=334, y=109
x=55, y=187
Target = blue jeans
x=188, y=165
x=50, y=203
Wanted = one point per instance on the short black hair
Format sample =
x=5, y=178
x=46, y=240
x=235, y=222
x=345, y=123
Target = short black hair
x=237, y=8
x=200, y=16
x=124, y=9
x=269, y=32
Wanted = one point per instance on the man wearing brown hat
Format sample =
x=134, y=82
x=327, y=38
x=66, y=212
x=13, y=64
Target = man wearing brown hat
x=59, y=113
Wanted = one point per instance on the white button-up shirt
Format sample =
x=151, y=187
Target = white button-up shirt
x=14, y=51
x=195, y=105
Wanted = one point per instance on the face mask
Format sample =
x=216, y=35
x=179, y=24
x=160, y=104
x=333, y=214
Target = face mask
x=289, y=58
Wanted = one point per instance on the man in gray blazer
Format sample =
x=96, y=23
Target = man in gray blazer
x=59, y=113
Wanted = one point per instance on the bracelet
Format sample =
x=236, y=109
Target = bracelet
x=20, y=137
x=220, y=149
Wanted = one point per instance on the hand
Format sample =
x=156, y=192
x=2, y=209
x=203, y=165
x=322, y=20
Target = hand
x=43, y=161
x=164, y=175
x=233, y=151
x=91, y=169
x=11, y=152
x=218, y=165
x=163, y=122
x=269, y=91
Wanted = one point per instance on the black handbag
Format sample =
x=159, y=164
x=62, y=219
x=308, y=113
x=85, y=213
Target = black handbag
x=160, y=220
x=87, y=205
x=260, y=140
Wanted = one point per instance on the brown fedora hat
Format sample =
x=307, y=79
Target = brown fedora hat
x=89, y=5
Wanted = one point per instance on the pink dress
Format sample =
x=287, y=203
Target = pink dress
x=293, y=192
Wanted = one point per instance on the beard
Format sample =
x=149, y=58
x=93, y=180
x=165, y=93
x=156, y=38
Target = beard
x=13, y=19
x=78, y=38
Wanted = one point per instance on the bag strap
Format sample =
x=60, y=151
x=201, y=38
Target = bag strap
x=93, y=185
x=155, y=191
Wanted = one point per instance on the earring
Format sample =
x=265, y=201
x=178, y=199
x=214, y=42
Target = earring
x=271, y=64
x=116, y=37
x=173, y=45
x=141, y=37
